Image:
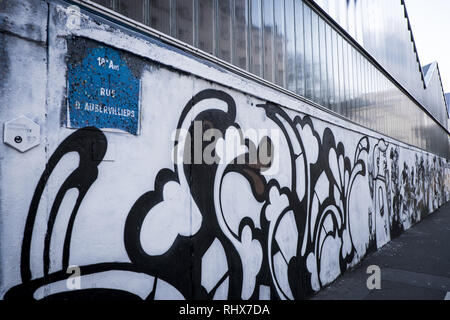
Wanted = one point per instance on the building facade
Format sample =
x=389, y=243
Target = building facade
x=210, y=149
x=357, y=58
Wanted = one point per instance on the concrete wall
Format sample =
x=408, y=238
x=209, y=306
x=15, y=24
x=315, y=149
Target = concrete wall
x=139, y=225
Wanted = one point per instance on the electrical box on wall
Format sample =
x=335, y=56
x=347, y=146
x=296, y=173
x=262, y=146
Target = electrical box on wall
x=21, y=133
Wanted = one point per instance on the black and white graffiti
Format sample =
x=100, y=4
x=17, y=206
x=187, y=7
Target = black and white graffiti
x=379, y=189
x=230, y=230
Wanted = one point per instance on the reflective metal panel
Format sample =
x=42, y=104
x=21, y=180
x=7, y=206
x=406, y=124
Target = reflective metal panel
x=299, y=48
x=315, y=55
x=290, y=45
x=160, y=15
x=347, y=80
x=309, y=85
x=224, y=30
x=184, y=20
x=336, y=72
x=205, y=25
x=256, y=38
x=342, y=75
x=134, y=9
x=329, y=75
x=323, y=100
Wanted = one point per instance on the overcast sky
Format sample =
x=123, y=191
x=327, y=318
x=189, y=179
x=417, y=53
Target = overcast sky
x=430, y=22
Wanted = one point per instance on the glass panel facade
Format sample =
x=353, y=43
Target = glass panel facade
x=106, y=3
x=323, y=100
x=268, y=36
x=279, y=42
x=342, y=75
x=382, y=28
x=224, y=28
x=240, y=44
x=315, y=56
x=184, y=20
x=134, y=9
x=309, y=86
x=292, y=44
x=336, y=94
x=346, y=79
x=299, y=48
x=256, y=38
x=329, y=73
x=205, y=26
x=160, y=15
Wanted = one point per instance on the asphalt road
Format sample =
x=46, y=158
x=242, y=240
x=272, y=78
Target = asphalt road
x=414, y=266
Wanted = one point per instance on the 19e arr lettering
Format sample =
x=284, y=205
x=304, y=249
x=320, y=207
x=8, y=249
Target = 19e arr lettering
x=248, y=309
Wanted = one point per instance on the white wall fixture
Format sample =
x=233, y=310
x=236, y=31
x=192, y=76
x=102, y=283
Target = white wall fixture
x=22, y=134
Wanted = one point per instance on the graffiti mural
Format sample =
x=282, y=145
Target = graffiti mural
x=379, y=189
x=298, y=239
x=277, y=252
x=409, y=190
x=115, y=189
x=293, y=238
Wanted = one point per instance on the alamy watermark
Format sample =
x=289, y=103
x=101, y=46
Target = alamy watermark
x=208, y=146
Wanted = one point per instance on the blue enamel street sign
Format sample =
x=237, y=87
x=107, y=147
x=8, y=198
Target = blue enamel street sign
x=103, y=92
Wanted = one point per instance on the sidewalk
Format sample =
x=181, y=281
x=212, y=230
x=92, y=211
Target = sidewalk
x=416, y=265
